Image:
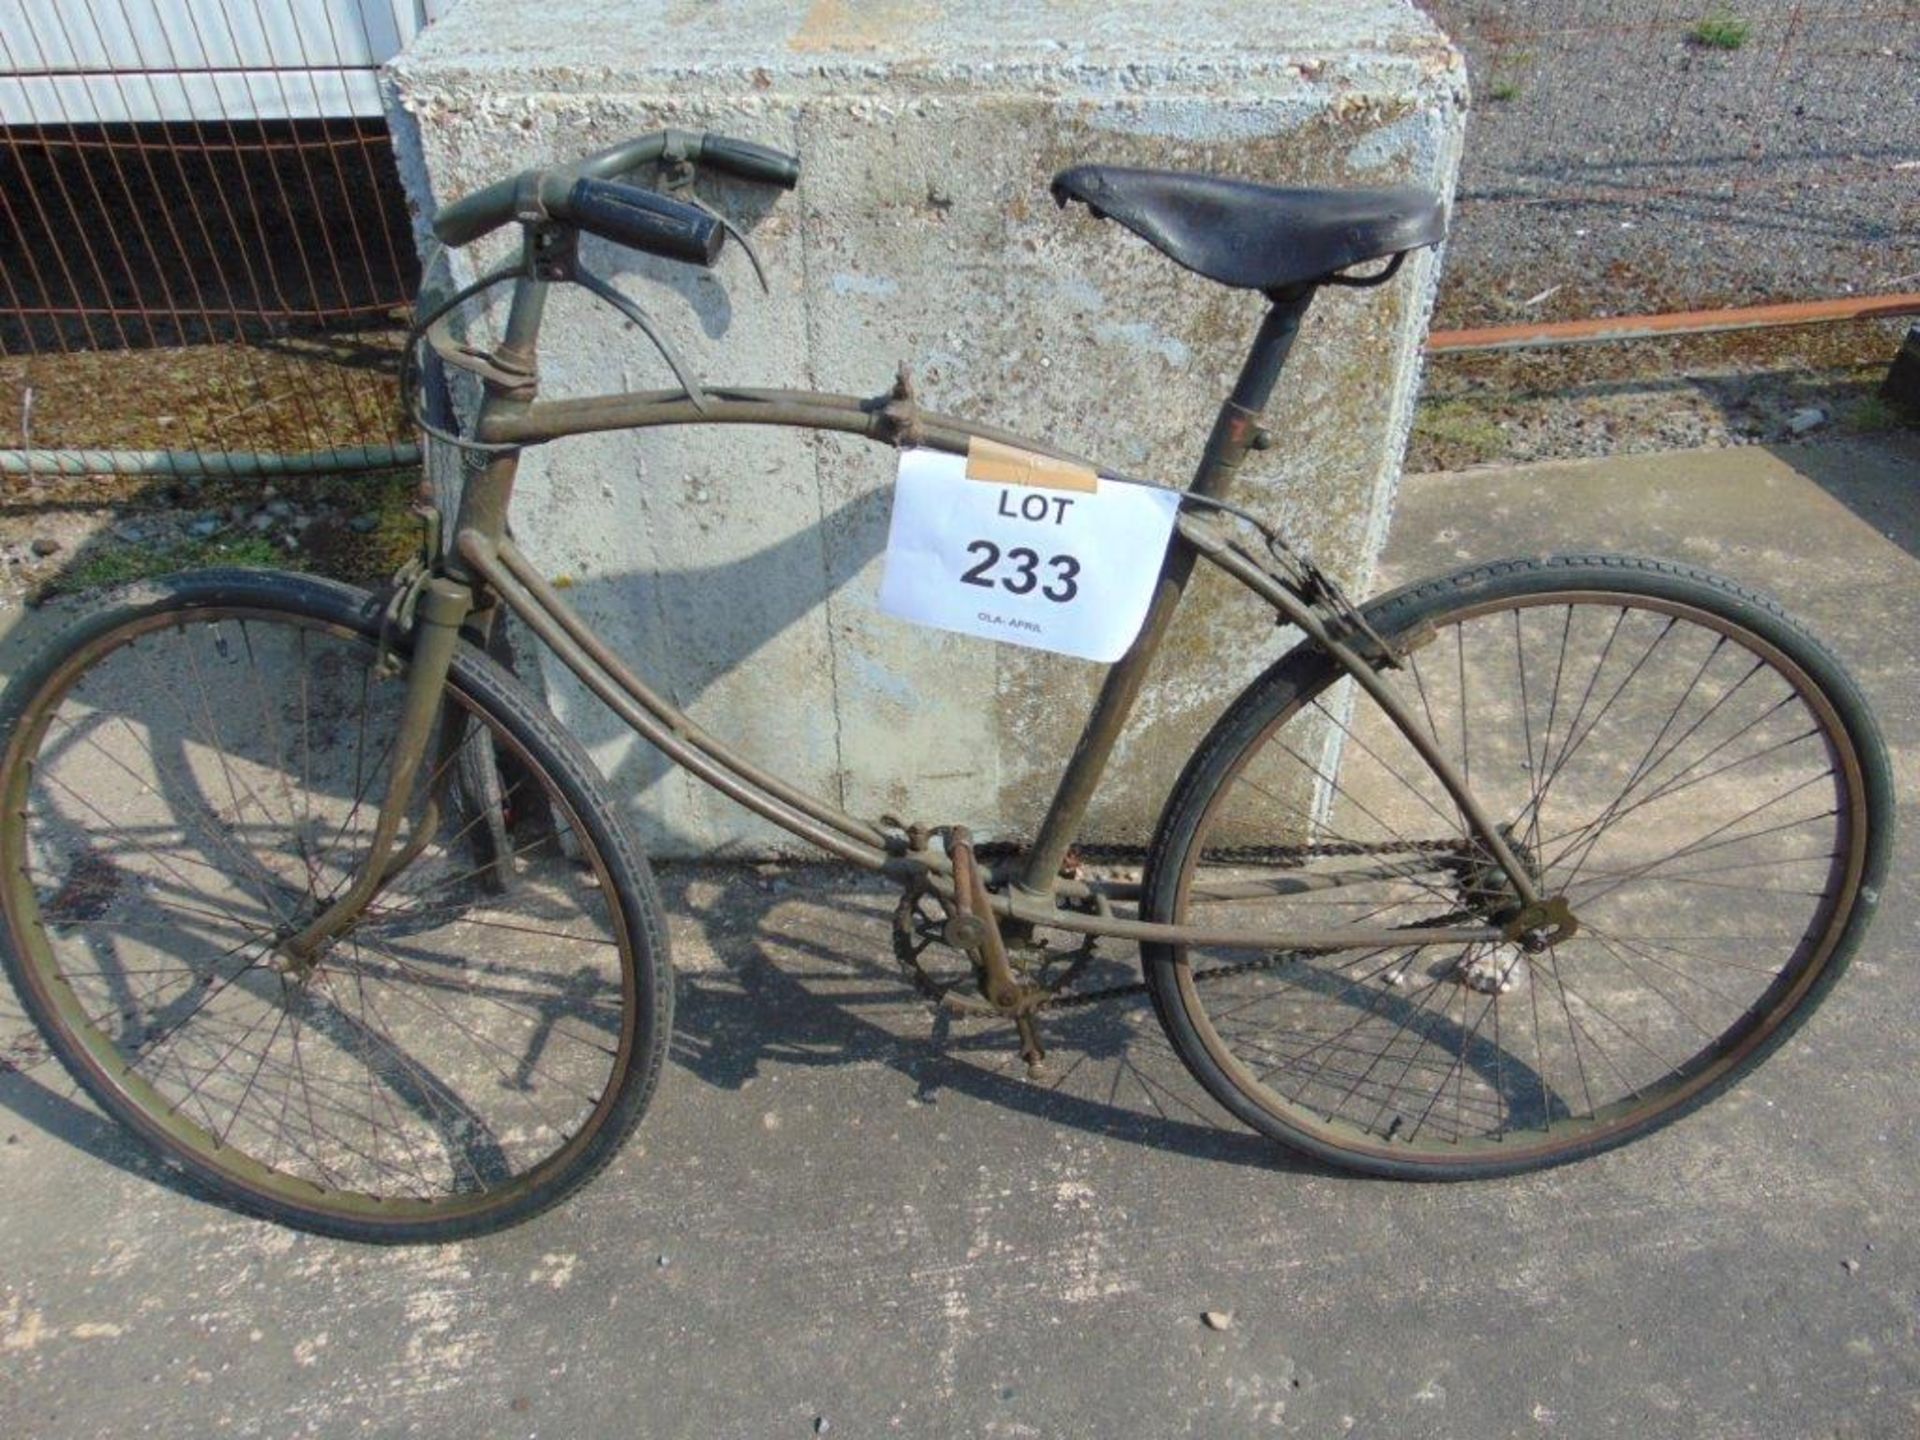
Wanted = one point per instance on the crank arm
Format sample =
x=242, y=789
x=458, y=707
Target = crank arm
x=974, y=928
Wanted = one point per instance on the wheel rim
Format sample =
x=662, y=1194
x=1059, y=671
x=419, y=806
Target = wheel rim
x=1671, y=765
x=409, y=1077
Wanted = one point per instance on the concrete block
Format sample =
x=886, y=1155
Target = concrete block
x=740, y=567
x=1902, y=385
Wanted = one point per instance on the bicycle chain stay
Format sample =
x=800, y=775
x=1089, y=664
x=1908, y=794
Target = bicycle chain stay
x=1059, y=998
x=1220, y=972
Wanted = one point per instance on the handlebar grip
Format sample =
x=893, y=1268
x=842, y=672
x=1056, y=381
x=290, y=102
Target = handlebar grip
x=644, y=220
x=748, y=161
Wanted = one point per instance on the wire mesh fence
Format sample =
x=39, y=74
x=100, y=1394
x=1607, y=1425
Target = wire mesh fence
x=1640, y=156
x=204, y=246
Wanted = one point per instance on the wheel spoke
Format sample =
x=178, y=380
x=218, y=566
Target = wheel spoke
x=1650, y=762
x=451, y=1050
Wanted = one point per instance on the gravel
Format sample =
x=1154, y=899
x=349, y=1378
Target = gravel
x=1670, y=394
x=1616, y=165
x=1612, y=157
x=65, y=533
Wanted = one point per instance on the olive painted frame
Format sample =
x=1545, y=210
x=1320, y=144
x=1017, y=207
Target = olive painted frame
x=484, y=565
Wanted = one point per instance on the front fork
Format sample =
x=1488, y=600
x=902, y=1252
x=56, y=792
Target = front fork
x=443, y=607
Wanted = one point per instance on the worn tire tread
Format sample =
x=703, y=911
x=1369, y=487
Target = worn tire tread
x=493, y=690
x=1307, y=665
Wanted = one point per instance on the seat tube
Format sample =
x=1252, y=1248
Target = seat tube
x=1236, y=430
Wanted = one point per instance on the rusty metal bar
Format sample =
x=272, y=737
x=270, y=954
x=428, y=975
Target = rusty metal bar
x=373, y=310
x=43, y=140
x=1679, y=322
x=1674, y=24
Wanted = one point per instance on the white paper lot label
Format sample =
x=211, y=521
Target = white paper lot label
x=1067, y=570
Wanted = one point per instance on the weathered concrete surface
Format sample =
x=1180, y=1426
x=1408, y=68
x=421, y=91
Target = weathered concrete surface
x=742, y=566
x=898, y=1234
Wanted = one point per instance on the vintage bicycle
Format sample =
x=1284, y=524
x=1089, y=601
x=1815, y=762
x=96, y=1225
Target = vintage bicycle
x=1497, y=871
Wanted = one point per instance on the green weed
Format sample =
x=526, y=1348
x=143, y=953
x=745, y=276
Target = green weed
x=117, y=564
x=1872, y=412
x=1719, y=29
x=1457, y=432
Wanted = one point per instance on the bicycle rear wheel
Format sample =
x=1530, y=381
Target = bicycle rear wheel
x=1693, y=773
x=192, y=772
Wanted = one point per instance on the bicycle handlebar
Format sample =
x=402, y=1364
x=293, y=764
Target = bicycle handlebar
x=748, y=161
x=556, y=190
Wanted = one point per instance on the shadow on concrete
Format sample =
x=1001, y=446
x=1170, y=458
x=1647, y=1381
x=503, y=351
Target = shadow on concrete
x=811, y=994
x=1877, y=477
x=734, y=609
x=706, y=293
x=26, y=1095
x=788, y=997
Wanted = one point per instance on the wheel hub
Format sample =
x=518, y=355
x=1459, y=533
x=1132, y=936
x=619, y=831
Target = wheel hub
x=1486, y=889
x=1483, y=884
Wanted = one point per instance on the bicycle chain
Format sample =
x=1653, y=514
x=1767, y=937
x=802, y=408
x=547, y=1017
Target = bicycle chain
x=1294, y=855
x=1077, y=999
x=1286, y=856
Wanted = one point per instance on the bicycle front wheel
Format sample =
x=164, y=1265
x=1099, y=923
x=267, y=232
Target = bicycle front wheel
x=1698, y=779
x=190, y=775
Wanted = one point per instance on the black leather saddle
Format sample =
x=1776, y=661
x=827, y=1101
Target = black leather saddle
x=1256, y=237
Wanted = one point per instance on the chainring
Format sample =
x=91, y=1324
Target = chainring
x=919, y=925
x=938, y=969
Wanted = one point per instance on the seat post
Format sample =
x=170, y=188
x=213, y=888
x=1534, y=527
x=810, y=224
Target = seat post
x=1234, y=433
x=1238, y=427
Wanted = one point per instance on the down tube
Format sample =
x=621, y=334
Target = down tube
x=670, y=731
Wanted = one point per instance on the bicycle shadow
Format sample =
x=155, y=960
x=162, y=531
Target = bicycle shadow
x=804, y=977
x=798, y=974
x=73, y=1121
x=738, y=607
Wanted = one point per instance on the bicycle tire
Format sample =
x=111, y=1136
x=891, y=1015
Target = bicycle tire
x=1353, y=1066
x=449, y=1085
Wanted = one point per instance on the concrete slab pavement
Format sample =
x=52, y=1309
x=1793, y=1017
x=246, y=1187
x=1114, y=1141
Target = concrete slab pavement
x=841, y=1218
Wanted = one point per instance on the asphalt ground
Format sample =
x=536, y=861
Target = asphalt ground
x=842, y=1218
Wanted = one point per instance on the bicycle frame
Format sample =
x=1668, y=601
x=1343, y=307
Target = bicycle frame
x=483, y=564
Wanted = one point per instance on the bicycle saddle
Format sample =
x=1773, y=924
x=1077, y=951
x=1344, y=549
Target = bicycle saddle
x=1256, y=237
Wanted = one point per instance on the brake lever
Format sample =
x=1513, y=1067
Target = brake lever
x=740, y=238
x=594, y=285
